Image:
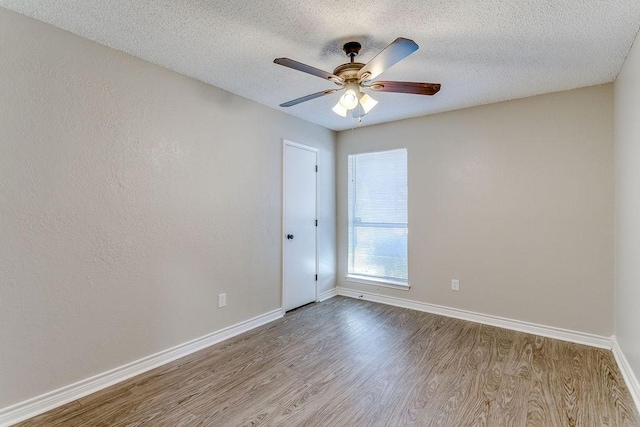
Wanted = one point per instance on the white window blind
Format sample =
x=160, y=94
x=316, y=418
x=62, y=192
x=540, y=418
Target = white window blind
x=378, y=215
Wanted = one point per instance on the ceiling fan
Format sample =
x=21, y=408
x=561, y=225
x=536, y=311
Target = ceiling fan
x=354, y=76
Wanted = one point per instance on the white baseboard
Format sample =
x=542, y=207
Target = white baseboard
x=629, y=377
x=517, y=325
x=45, y=402
x=327, y=294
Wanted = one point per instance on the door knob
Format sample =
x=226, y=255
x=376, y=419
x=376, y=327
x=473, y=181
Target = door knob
x=289, y=236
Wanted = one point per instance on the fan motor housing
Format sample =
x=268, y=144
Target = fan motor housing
x=348, y=71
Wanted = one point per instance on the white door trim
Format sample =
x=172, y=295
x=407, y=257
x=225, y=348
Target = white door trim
x=315, y=150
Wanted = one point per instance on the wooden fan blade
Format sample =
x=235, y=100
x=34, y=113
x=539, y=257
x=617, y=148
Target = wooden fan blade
x=286, y=62
x=309, y=97
x=399, y=49
x=406, y=87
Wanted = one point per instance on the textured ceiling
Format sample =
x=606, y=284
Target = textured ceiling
x=481, y=51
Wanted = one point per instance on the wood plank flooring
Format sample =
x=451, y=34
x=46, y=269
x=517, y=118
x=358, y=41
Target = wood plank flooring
x=346, y=362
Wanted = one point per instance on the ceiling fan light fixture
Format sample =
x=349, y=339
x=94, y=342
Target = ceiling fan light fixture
x=351, y=76
x=367, y=103
x=349, y=100
x=339, y=109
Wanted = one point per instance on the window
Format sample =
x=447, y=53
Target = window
x=378, y=218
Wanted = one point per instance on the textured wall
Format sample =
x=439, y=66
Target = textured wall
x=513, y=199
x=130, y=196
x=627, y=202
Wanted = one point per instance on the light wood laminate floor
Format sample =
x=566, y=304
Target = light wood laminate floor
x=346, y=362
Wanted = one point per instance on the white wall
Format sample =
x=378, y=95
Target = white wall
x=130, y=196
x=627, y=203
x=513, y=199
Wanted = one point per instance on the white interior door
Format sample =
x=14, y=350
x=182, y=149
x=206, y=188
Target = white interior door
x=299, y=225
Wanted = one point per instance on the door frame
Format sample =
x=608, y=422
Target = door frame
x=285, y=143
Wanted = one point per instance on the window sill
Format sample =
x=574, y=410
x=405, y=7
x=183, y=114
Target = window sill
x=385, y=283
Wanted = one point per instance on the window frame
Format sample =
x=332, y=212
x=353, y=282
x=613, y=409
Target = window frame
x=378, y=281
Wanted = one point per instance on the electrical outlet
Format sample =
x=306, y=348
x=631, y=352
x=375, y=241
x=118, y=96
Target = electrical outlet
x=455, y=285
x=222, y=300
